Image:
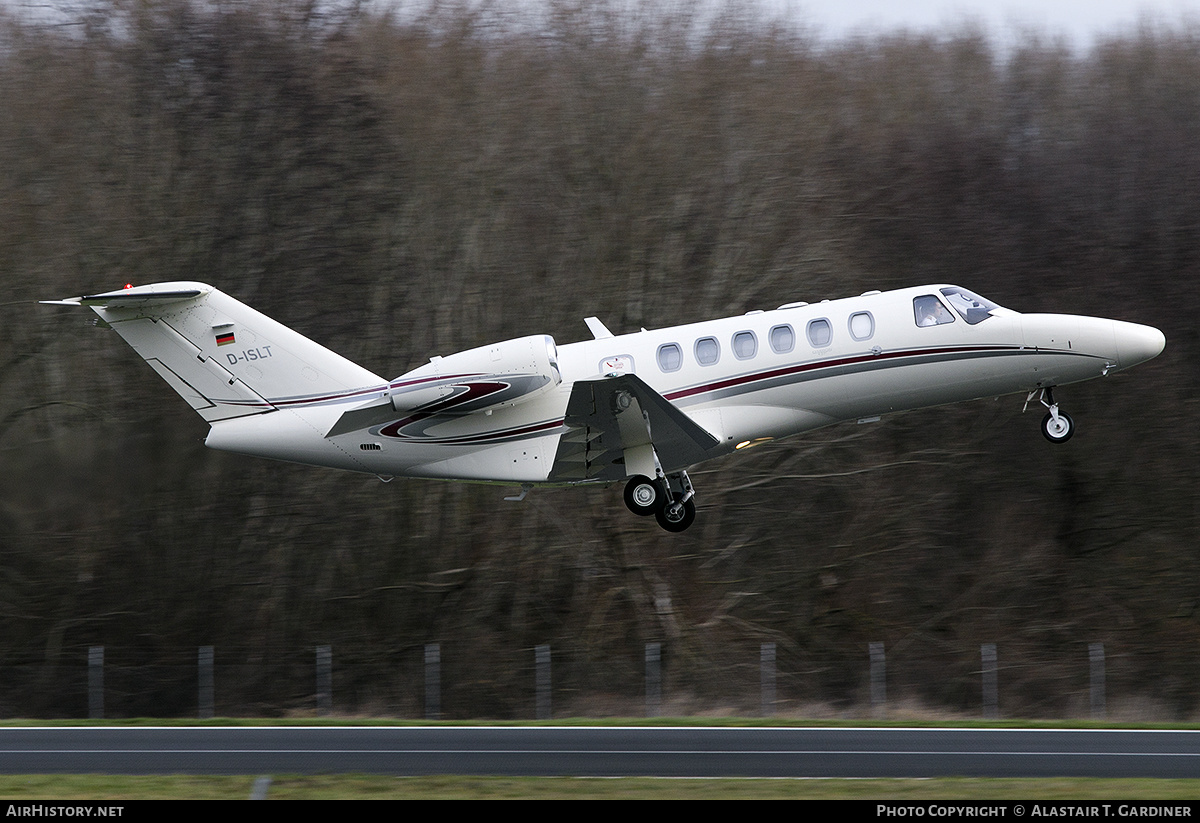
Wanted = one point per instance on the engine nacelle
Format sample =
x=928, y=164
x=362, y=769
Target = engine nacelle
x=502, y=374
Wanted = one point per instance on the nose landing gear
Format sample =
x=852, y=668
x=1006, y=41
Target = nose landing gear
x=1057, y=426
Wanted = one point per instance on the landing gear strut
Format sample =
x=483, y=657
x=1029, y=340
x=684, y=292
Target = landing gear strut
x=679, y=513
x=1057, y=426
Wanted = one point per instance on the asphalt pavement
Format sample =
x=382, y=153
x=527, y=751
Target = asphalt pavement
x=602, y=751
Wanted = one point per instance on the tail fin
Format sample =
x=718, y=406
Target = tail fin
x=223, y=357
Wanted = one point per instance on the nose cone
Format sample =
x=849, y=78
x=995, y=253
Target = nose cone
x=1137, y=343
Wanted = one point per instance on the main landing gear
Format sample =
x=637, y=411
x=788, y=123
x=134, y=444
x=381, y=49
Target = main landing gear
x=1057, y=426
x=670, y=498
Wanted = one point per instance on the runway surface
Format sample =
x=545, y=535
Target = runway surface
x=603, y=752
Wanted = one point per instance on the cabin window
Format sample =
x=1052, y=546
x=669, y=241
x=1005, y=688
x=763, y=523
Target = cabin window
x=708, y=351
x=819, y=332
x=745, y=345
x=783, y=339
x=670, y=357
x=862, y=325
x=973, y=308
x=929, y=311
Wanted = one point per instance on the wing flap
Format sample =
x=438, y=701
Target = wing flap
x=610, y=416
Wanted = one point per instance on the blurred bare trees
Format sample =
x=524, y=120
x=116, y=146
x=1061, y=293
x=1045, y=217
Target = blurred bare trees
x=401, y=184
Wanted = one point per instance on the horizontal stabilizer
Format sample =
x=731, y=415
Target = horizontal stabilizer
x=136, y=296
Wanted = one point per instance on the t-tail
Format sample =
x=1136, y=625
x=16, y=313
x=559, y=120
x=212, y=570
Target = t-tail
x=221, y=356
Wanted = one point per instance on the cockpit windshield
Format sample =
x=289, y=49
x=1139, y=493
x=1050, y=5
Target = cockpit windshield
x=973, y=308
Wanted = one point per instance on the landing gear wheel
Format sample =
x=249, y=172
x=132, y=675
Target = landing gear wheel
x=676, y=516
x=1060, y=430
x=643, y=496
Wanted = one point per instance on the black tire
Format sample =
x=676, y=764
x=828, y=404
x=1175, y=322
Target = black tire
x=675, y=519
x=1060, y=433
x=643, y=496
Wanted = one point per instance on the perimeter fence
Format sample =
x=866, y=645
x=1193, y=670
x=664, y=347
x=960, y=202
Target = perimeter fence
x=425, y=682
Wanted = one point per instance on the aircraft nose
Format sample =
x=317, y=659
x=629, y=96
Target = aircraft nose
x=1137, y=343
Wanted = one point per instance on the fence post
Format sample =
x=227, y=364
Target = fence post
x=324, y=680
x=96, y=682
x=433, y=681
x=542, y=658
x=653, y=679
x=1096, y=656
x=878, y=679
x=766, y=660
x=206, y=682
x=991, y=701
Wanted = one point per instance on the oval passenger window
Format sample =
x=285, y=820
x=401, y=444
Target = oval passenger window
x=819, y=333
x=783, y=339
x=862, y=325
x=745, y=345
x=708, y=351
x=670, y=357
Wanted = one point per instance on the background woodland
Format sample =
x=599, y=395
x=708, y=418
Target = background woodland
x=408, y=182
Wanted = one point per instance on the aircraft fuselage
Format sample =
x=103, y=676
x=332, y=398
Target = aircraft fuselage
x=799, y=369
x=639, y=407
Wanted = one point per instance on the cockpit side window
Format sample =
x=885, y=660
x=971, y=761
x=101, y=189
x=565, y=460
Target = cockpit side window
x=973, y=308
x=929, y=311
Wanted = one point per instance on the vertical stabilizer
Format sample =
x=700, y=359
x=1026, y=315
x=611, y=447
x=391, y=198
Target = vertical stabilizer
x=223, y=357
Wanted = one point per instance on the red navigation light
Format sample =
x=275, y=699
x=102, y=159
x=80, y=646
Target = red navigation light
x=129, y=285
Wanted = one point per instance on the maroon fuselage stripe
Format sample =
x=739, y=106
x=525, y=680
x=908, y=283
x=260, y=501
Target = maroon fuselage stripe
x=478, y=390
x=826, y=364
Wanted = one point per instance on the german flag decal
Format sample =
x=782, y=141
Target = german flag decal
x=224, y=338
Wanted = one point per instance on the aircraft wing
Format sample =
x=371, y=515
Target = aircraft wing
x=614, y=421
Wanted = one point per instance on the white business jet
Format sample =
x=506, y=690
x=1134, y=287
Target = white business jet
x=640, y=407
